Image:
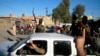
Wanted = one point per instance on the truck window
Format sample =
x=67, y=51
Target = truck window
x=62, y=48
x=30, y=50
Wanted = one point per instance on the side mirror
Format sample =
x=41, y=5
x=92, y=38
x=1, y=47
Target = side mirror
x=21, y=52
x=18, y=52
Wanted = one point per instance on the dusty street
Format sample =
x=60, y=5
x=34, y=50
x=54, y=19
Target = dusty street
x=5, y=36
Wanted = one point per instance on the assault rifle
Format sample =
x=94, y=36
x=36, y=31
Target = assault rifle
x=34, y=16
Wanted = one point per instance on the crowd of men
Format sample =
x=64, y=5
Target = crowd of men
x=92, y=29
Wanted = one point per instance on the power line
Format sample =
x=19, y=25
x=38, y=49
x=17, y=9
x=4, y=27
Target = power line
x=6, y=6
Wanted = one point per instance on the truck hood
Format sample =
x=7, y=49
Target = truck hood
x=4, y=46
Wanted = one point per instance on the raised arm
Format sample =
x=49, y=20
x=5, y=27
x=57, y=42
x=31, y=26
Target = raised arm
x=36, y=48
x=79, y=43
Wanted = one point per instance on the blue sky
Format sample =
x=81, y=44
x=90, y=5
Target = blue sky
x=17, y=7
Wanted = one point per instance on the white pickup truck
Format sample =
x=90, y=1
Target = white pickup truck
x=53, y=43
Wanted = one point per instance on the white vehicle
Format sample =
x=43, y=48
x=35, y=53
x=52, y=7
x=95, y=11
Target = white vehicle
x=53, y=43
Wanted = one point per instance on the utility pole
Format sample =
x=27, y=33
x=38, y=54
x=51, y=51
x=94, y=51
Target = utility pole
x=92, y=15
x=47, y=11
